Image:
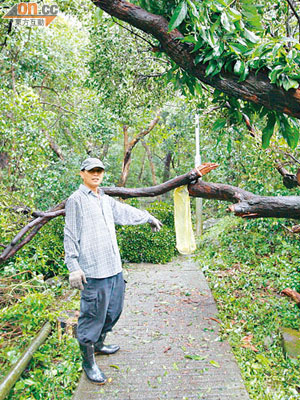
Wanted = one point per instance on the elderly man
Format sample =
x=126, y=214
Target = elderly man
x=93, y=259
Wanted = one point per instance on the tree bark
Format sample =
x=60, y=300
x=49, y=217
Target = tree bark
x=128, y=147
x=257, y=88
x=149, y=155
x=54, y=146
x=104, y=152
x=142, y=168
x=127, y=158
x=167, y=165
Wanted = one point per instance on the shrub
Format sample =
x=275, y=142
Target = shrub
x=140, y=244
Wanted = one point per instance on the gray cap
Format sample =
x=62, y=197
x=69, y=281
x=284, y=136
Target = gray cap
x=91, y=163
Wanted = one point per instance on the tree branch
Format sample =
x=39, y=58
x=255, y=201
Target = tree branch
x=9, y=29
x=134, y=33
x=290, y=3
x=58, y=106
x=55, y=147
x=45, y=87
x=292, y=157
x=145, y=132
x=289, y=180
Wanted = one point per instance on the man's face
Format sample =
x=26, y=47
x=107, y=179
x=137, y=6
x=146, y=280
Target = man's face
x=92, y=178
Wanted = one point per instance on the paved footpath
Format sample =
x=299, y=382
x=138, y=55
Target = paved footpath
x=170, y=347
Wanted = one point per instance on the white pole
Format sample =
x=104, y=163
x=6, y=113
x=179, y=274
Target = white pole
x=199, y=204
x=197, y=134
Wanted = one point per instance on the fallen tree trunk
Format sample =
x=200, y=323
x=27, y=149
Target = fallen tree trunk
x=18, y=368
x=245, y=204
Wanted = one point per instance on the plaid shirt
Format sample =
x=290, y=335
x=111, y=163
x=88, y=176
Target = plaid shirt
x=89, y=234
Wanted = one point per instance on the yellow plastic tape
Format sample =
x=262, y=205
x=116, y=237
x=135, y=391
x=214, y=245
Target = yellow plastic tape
x=185, y=240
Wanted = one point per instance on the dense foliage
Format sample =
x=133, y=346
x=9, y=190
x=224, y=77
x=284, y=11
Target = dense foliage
x=139, y=244
x=247, y=277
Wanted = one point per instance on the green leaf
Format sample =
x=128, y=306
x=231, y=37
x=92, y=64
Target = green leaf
x=249, y=11
x=214, y=67
x=222, y=2
x=225, y=21
x=236, y=16
x=115, y=366
x=268, y=130
x=198, y=58
x=215, y=364
x=195, y=357
x=178, y=16
x=239, y=67
x=251, y=36
x=212, y=39
x=244, y=74
x=198, y=88
x=289, y=133
x=190, y=85
x=194, y=9
x=274, y=74
x=229, y=146
x=211, y=68
x=238, y=48
x=209, y=56
x=198, y=45
x=188, y=39
x=263, y=360
x=219, y=124
x=98, y=14
x=290, y=84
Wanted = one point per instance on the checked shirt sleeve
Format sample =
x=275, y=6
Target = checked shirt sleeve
x=72, y=231
x=124, y=214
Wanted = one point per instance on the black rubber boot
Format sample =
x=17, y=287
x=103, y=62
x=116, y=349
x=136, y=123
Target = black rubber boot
x=101, y=348
x=93, y=372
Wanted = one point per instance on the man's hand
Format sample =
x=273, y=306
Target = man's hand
x=204, y=168
x=155, y=224
x=76, y=278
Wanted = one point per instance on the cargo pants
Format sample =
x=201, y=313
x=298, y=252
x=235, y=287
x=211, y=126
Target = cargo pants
x=101, y=305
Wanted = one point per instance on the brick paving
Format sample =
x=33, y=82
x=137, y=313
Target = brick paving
x=170, y=347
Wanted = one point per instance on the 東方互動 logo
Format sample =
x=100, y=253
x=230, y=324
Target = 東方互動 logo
x=29, y=14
